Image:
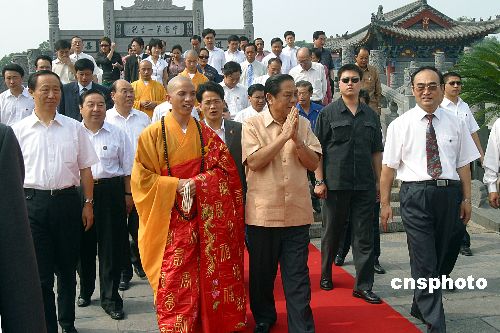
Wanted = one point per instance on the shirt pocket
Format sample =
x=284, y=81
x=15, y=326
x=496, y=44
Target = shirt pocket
x=69, y=152
x=341, y=131
x=448, y=145
x=369, y=129
x=108, y=155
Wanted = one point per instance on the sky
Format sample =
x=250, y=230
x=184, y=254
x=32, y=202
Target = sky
x=27, y=24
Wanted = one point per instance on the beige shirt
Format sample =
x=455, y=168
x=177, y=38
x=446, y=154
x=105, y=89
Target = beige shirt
x=278, y=194
x=371, y=83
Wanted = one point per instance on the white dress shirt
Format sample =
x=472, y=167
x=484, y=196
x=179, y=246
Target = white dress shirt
x=405, y=144
x=217, y=59
x=461, y=110
x=286, y=62
x=247, y=113
x=13, y=109
x=54, y=154
x=236, y=98
x=258, y=70
x=237, y=56
x=158, y=68
x=114, y=150
x=63, y=71
x=261, y=79
x=221, y=132
x=315, y=75
x=491, y=162
x=292, y=53
x=161, y=109
x=132, y=125
x=80, y=87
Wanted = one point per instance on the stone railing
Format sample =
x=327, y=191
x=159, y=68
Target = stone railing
x=395, y=102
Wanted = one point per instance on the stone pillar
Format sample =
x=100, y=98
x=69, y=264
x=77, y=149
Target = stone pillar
x=198, y=17
x=378, y=60
x=22, y=60
x=348, y=52
x=407, y=81
x=108, y=12
x=53, y=9
x=439, y=60
x=395, y=80
x=32, y=54
x=248, y=19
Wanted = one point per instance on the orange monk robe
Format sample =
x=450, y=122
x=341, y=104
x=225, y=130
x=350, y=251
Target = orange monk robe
x=153, y=91
x=154, y=195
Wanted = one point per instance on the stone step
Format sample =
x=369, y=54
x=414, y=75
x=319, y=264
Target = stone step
x=396, y=209
x=395, y=195
x=315, y=230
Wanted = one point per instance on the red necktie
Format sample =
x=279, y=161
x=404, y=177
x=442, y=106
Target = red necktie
x=434, y=168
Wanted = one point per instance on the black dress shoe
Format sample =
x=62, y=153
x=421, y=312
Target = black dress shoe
x=378, y=269
x=262, y=328
x=326, y=284
x=116, y=314
x=339, y=260
x=368, y=295
x=124, y=285
x=83, y=302
x=140, y=272
x=465, y=250
x=69, y=330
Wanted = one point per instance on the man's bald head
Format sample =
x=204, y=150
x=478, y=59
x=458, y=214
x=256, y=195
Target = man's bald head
x=122, y=94
x=304, y=58
x=176, y=82
x=145, y=70
x=191, y=61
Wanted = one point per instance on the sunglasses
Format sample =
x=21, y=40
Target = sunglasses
x=455, y=83
x=352, y=79
x=422, y=86
x=204, y=57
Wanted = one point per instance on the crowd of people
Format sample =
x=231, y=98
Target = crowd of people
x=169, y=165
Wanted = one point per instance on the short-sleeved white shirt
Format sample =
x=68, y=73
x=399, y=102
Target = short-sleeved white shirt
x=54, y=154
x=132, y=125
x=461, y=110
x=236, y=98
x=405, y=148
x=13, y=109
x=217, y=59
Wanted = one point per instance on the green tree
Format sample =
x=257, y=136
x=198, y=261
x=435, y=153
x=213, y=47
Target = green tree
x=7, y=59
x=303, y=43
x=480, y=70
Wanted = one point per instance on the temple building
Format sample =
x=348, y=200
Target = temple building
x=414, y=32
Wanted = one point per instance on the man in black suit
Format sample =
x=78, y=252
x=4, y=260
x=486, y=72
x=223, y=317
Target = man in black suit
x=131, y=69
x=21, y=305
x=70, y=101
x=210, y=95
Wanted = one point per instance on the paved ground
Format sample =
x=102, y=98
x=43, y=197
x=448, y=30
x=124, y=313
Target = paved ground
x=466, y=311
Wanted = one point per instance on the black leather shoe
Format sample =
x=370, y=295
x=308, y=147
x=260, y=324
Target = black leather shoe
x=368, y=295
x=69, y=330
x=116, y=314
x=465, y=250
x=140, y=272
x=326, y=284
x=339, y=260
x=124, y=285
x=83, y=302
x=378, y=269
x=262, y=328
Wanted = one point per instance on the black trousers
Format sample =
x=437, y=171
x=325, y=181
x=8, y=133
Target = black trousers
x=356, y=208
x=314, y=199
x=345, y=243
x=288, y=247
x=430, y=215
x=56, y=226
x=106, y=237
x=131, y=250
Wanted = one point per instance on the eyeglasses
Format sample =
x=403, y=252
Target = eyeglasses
x=352, y=79
x=104, y=45
x=422, y=86
x=455, y=83
x=203, y=57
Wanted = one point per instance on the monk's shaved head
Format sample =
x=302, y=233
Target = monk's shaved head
x=176, y=82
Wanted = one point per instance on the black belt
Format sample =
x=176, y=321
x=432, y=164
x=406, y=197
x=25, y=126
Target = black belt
x=107, y=180
x=437, y=182
x=53, y=193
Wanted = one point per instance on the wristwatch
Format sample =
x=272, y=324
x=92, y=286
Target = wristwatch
x=88, y=200
x=319, y=182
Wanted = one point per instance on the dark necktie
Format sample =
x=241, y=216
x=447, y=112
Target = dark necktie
x=83, y=90
x=434, y=168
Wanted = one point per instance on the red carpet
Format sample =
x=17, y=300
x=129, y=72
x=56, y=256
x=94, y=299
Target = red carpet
x=337, y=311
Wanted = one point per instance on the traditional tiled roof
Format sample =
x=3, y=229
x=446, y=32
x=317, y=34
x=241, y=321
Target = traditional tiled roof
x=396, y=22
